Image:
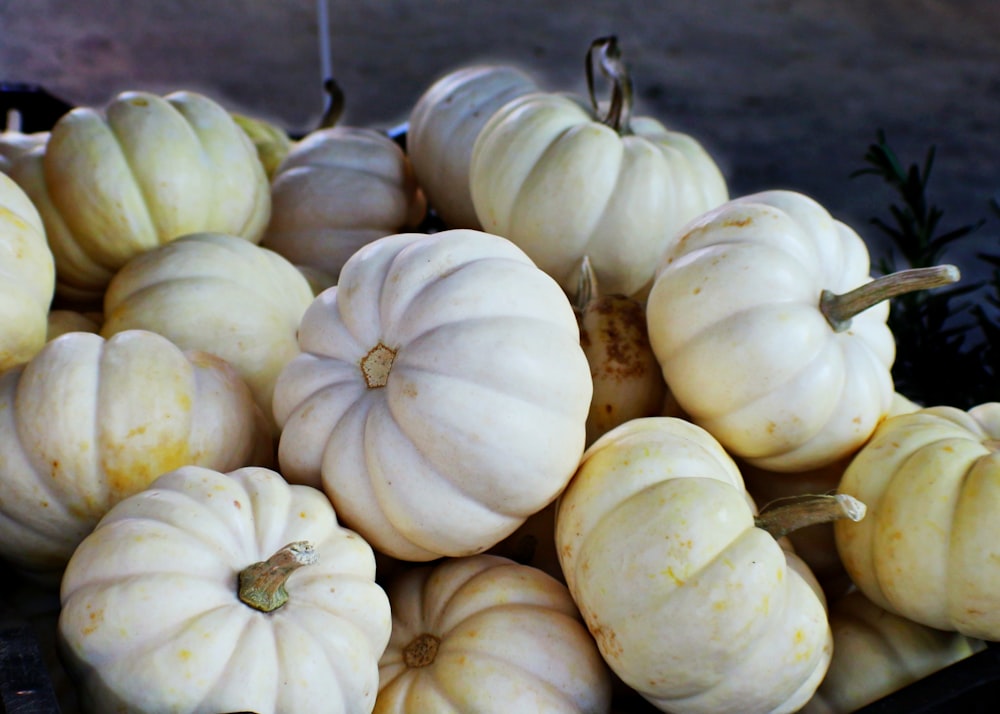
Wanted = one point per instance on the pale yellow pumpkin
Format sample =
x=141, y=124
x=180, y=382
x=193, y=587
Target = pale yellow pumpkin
x=691, y=605
x=218, y=293
x=443, y=127
x=929, y=549
x=335, y=191
x=486, y=634
x=88, y=421
x=877, y=653
x=113, y=183
x=214, y=592
x=27, y=276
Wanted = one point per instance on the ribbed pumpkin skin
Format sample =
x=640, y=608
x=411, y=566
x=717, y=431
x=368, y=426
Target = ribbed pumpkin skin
x=151, y=621
x=337, y=190
x=88, y=422
x=112, y=183
x=441, y=395
x=734, y=320
x=27, y=276
x=443, y=127
x=927, y=550
x=509, y=639
x=692, y=606
x=218, y=293
x=549, y=176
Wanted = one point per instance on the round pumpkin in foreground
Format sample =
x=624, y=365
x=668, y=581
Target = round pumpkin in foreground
x=441, y=395
x=222, y=592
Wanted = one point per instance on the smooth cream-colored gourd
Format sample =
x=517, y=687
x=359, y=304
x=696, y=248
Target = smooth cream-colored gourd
x=692, y=605
x=88, y=421
x=27, y=276
x=443, y=127
x=113, y=183
x=218, y=293
x=486, y=634
x=336, y=190
x=928, y=550
x=441, y=395
x=876, y=653
x=217, y=592
x=756, y=320
x=563, y=181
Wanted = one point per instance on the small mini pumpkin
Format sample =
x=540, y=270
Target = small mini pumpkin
x=217, y=592
x=692, y=604
x=441, y=393
x=772, y=334
x=443, y=127
x=928, y=550
x=88, y=421
x=486, y=634
x=336, y=190
x=218, y=293
x=27, y=276
x=112, y=183
x=563, y=181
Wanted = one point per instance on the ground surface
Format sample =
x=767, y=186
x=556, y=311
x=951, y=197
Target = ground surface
x=784, y=94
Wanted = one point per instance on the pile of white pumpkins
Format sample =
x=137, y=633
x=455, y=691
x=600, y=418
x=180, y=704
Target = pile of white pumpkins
x=607, y=439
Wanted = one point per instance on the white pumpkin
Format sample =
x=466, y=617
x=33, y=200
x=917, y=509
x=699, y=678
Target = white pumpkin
x=27, y=276
x=564, y=181
x=214, y=592
x=443, y=127
x=441, y=395
x=218, y=293
x=486, y=634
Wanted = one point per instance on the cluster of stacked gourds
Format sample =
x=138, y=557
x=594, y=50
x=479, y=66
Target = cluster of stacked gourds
x=282, y=449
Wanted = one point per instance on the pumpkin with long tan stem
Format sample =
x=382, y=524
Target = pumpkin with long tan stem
x=441, y=394
x=88, y=421
x=112, y=183
x=929, y=549
x=772, y=334
x=691, y=603
x=223, y=592
x=27, y=276
x=564, y=181
x=486, y=634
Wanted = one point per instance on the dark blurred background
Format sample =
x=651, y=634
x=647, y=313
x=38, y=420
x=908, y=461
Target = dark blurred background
x=784, y=94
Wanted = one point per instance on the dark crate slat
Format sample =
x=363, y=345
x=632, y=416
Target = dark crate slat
x=25, y=685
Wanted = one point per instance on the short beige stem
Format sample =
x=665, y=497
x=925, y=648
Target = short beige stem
x=586, y=285
x=421, y=651
x=262, y=585
x=839, y=309
x=801, y=511
x=376, y=365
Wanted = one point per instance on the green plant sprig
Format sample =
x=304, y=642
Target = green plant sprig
x=940, y=358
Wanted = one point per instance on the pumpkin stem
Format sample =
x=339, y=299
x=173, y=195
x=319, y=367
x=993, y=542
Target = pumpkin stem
x=813, y=509
x=262, y=585
x=586, y=286
x=605, y=52
x=376, y=365
x=334, y=104
x=421, y=651
x=839, y=309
